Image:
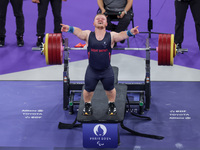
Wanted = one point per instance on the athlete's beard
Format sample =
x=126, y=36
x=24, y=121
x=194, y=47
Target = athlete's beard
x=101, y=27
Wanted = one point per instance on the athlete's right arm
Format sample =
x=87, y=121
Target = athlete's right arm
x=81, y=34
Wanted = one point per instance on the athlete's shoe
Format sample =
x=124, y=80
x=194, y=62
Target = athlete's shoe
x=87, y=111
x=112, y=109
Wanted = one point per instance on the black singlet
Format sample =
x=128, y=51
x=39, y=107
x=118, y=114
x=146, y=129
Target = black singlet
x=99, y=52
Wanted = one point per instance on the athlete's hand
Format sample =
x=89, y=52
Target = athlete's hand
x=135, y=30
x=64, y=28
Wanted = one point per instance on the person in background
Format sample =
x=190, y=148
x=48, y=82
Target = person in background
x=42, y=12
x=18, y=13
x=181, y=7
x=120, y=7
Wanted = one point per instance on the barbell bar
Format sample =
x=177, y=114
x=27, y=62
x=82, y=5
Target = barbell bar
x=53, y=49
x=135, y=49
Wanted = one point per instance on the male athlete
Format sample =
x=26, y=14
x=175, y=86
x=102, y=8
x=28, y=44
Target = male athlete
x=99, y=46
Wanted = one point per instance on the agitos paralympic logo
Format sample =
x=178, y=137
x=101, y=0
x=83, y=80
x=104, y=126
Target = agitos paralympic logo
x=100, y=131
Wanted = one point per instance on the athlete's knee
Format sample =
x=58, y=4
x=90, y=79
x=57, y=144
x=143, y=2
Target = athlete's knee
x=110, y=89
x=89, y=89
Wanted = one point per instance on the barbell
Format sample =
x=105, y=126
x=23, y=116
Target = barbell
x=53, y=49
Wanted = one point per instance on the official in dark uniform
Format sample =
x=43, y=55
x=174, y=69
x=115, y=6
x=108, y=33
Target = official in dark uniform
x=181, y=7
x=18, y=13
x=42, y=12
x=99, y=44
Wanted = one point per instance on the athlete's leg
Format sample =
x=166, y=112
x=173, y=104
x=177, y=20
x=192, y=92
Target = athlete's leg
x=87, y=96
x=108, y=84
x=88, y=92
x=111, y=95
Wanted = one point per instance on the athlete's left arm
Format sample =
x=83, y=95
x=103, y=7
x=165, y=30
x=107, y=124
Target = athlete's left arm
x=117, y=37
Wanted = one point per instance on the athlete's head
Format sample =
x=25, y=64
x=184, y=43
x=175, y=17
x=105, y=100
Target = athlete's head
x=100, y=21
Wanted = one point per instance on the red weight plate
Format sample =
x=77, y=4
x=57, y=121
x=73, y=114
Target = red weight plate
x=160, y=38
x=50, y=49
x=164, y=45
x=54, y=48
x=59, y=48
x=168, y=49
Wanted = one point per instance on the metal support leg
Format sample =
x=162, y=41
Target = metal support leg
x=147, y=78
x=66, y=79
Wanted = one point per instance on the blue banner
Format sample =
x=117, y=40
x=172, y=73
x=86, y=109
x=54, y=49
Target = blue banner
x=100, y=135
